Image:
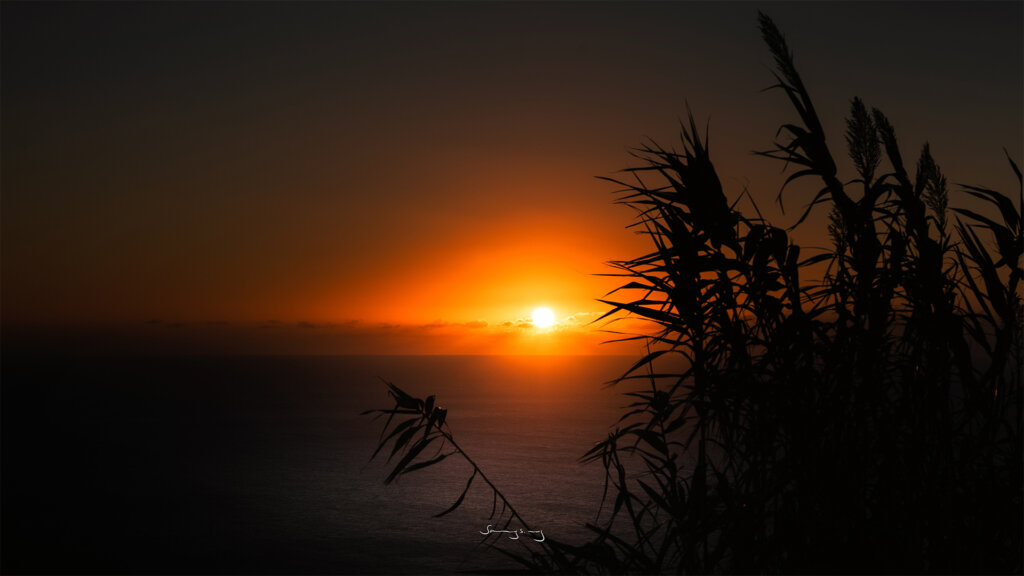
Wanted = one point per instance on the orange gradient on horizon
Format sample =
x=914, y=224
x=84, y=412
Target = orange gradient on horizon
x=511, y=268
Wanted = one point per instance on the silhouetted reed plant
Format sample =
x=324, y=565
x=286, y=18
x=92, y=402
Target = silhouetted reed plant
x=864, y=418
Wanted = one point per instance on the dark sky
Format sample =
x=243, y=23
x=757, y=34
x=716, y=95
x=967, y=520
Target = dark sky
x=424, y=163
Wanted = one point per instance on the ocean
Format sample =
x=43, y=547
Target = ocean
x=262, y=464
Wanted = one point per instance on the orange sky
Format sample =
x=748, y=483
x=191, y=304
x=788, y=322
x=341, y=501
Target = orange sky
x=361, y=178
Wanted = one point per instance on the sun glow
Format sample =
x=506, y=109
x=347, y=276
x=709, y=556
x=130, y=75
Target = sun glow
x=543, y=317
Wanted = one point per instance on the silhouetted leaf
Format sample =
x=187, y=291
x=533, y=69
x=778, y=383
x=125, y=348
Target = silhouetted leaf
x=461, y=497
x=408, y=457
x=397, y=430
x=426, y=463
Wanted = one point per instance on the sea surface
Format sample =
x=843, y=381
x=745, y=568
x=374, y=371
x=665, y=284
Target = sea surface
x=262, y=464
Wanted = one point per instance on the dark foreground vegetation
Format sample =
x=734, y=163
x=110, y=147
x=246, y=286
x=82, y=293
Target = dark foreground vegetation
x=857, y=409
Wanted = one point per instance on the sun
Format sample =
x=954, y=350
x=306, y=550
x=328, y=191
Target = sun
x=543, y=317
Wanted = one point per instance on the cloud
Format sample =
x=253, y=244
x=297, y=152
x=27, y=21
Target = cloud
x=304, y=337
x=582, y=318
x=443, y=324
x=519, y=324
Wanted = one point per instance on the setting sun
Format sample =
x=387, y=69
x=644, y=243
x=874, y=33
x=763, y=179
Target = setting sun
x=543, y=317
